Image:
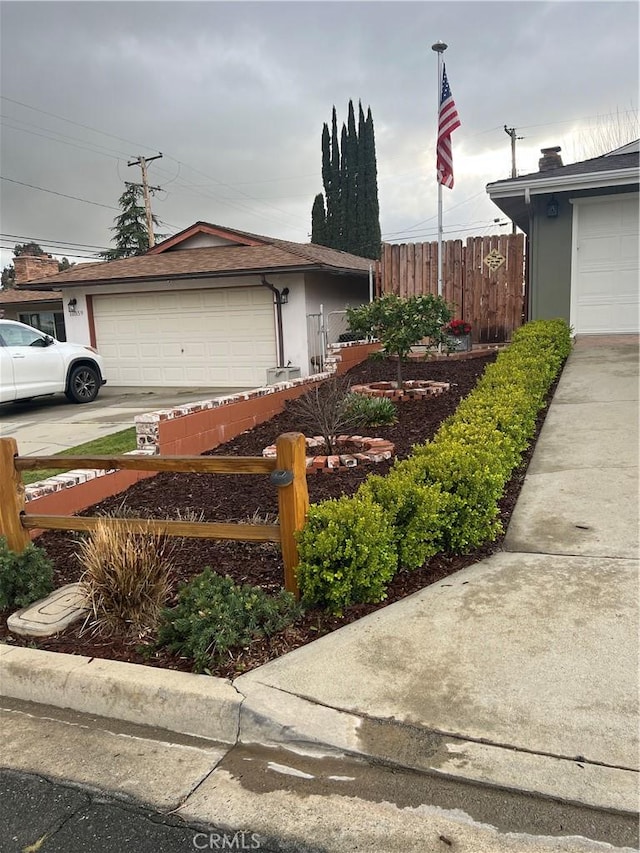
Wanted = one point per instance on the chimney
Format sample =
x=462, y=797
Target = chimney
x=32, y=267
x=550, y=159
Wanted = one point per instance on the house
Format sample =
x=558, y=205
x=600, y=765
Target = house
x=581, y=222
x=41, y=309
x=210, y=306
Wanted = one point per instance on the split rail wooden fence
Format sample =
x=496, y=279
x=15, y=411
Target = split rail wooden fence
x=287, y=471
x=483, y=279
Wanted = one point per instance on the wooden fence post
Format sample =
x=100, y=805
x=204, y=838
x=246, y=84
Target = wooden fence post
x=11, y=498
x=293, y=502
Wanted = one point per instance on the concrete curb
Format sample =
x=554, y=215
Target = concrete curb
x=249, y=712
x=196, y=705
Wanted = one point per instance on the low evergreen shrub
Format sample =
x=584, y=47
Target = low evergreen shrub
x=414, y=510
x=25, y=577
x=213, y=615
x=347, y=553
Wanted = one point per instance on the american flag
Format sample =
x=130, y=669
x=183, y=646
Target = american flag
x=448, y=121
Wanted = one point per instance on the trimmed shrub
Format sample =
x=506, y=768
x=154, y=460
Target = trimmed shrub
x=347, y=553
x=445, y=495
x=415, y=512
x=214, y=615
x=25, y=577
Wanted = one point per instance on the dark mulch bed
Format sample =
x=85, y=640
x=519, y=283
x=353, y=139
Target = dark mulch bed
x=239, y=498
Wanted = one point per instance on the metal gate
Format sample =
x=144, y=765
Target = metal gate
x=324, y=329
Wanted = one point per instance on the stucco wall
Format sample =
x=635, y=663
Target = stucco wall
x=550, y=253
x=306, y=293
x=550, y=260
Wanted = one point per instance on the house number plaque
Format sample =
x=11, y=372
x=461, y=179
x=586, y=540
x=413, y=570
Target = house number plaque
x=494, y=260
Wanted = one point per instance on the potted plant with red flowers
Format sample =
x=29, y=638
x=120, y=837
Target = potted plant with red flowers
x=458, y=334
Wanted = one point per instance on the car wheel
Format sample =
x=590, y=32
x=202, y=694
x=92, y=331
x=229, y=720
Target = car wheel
x=84, y=384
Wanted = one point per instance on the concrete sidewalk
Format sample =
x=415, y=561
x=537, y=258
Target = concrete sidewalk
x=495, y=707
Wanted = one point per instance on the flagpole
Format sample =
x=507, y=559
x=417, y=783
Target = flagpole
x=439, y=48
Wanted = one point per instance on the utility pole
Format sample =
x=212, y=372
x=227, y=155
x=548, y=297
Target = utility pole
x=511, y=131
x=142, y=162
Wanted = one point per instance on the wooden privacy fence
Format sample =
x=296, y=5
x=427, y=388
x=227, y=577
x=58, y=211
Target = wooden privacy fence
x=287, y=472
x=483, y=279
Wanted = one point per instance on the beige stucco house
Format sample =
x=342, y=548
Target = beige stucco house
x=210, y=306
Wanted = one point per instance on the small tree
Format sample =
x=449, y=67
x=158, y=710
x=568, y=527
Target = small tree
x=400, y=324
x=326, y=410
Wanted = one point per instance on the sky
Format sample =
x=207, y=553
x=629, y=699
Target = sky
x=235, y=94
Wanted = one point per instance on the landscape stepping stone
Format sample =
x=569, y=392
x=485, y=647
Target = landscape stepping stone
x=50, y=615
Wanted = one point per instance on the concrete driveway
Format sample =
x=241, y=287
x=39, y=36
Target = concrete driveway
x=47, y=425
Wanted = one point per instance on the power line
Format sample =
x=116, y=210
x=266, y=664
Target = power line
x=429, y=218
x=10, y=248
x=66, y=243
x=63, y=195
x=70, y=121
x=452, y=230
x=89, y=146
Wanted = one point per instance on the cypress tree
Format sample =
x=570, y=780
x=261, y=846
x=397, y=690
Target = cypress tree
x=373, y=235
x=327, y=176
x=334, y=213
x=350, y=241
x=345, y=191
x=362, y=183
x=319, y=222
x=351, y=220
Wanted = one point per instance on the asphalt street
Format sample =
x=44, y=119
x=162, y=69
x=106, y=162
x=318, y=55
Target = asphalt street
x=41, y=816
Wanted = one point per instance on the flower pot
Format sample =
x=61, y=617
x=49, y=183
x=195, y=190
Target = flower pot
x=459, y=343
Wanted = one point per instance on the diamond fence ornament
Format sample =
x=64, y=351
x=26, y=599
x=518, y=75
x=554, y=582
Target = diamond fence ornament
x=494, y=260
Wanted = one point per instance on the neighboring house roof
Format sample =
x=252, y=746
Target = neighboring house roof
x=626, y=149
x=250, y=253
x=15, y=296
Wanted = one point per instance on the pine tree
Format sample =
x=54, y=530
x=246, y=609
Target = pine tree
x=319, y=222
x=349, y=176
x=131, y=233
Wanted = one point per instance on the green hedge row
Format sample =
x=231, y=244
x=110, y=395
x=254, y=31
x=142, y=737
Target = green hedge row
x=444, y=497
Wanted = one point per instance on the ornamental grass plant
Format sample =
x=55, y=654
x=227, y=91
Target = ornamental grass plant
x=126, y=577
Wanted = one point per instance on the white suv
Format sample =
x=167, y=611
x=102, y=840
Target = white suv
x=33, y=364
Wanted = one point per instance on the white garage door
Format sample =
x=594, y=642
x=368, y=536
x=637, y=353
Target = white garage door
x=223, y=337
x=604, y=289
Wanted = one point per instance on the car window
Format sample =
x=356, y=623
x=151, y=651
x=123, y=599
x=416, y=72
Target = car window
x=16, y=336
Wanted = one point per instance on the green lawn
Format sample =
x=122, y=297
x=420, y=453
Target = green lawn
x=109, y=445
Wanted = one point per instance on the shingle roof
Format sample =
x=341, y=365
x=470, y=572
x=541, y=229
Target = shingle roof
x=15, y=296
x=270, y=255
x=606, y=163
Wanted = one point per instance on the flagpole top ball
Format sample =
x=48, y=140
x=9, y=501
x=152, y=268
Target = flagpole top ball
x=439, y=47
